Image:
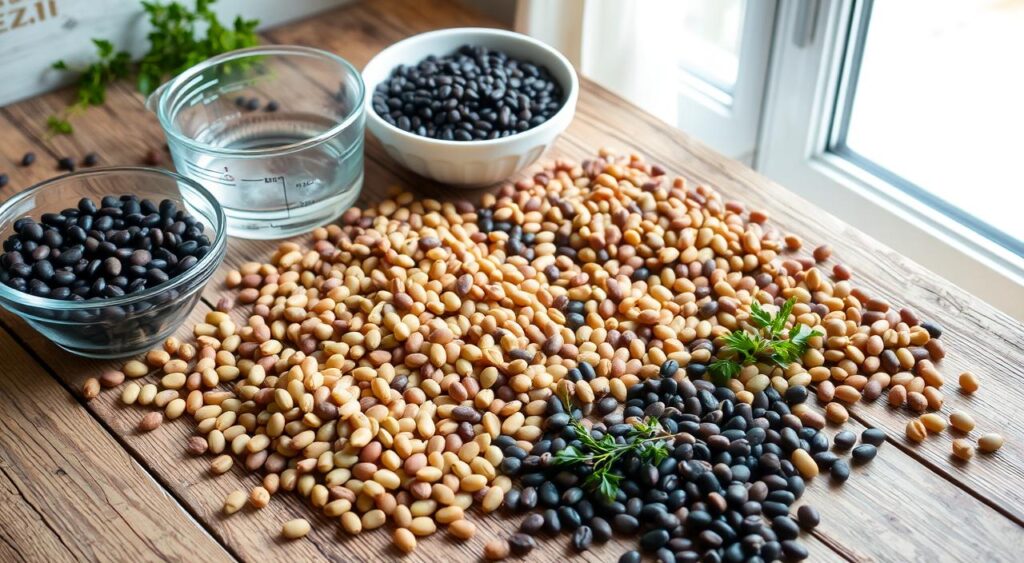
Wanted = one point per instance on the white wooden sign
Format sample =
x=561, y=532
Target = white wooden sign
x=35, y=33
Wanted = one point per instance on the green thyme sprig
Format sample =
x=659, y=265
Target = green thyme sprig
x=770, y=342
x=646, y=440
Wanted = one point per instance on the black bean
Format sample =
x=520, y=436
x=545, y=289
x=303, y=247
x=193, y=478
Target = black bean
x=66, y=163
x=551, y=522
x=794, y=550
x=252, y=104
x=521, y=544
x=548, y=494
x=601, y=529
x=90, y=159
x=532, y=523
x=796, y=394
x=271, y=106
x=785, y=527
x=864, y=453
x=825, y=459
x=840, y=471
x=631, y=557
x=3, y=180
x=844, y=440
x=582, y=538
x=28, y=159
x=112, y=267
x=934, y=329
x=528, y=498
x=43, y=270
x=569, y=517
x=773, y=509
x=873, y=436
x=654, y=539
x=32, y=231
x=625, y=524
x=808, y=517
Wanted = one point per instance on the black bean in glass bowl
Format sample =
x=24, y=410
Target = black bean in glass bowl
x=475, y=93
x=108, y=262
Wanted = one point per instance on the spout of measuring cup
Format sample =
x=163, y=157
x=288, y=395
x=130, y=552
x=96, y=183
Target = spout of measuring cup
x=153, y=100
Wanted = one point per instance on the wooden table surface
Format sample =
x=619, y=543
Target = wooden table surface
x=77, y=481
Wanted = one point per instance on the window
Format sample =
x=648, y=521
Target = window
x=709, y=44
x=933, y=105
x=904, y=120
x=697, y=64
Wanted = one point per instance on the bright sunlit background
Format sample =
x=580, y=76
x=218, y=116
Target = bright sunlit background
x=903, y=118
x=940, y=102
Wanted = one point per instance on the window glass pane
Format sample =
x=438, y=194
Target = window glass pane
x=939, y=103
x=709, y=43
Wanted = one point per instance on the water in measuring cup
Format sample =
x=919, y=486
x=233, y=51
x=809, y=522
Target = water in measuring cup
x=278, y=195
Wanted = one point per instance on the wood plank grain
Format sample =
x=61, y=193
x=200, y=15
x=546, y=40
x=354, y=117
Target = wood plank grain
x=605, y=120
x=977, y=337
x=359, y=31
x=68, y=491
x=253, y=536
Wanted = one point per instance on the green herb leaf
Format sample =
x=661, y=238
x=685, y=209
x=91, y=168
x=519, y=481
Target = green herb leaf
x=768, y=344
x=59, y=65
x=779, y=322
x=58, y=125
x=180, y=38
x=654, y=452
x=103, y=47
x=800, y=333
x=760, y=317
x=724, y=370
x=569, y=456
x=646, y=440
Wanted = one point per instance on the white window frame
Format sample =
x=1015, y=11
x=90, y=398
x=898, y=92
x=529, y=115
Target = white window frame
x=809, y=67
x=729, y=121
x=604, y=39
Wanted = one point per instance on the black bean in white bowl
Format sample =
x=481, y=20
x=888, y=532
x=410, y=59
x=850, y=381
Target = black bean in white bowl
x=517, y=96
x=475, y=93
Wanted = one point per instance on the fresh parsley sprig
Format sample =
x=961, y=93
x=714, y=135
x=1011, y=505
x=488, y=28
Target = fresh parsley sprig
x=92, y=83
x=646, y=440
x=175, y=44
x=771, y=342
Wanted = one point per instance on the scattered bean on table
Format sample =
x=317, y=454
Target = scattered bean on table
x=422, y=357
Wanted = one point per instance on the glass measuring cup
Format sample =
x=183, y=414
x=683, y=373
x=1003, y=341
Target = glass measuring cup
x=275, y=133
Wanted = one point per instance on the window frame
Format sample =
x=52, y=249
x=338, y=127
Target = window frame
x=808, y=87
x=839, y=130
x=729, y=121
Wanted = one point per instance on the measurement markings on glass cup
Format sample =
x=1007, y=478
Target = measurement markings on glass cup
x=288, y=204
x=274, y=180
x=218, y=176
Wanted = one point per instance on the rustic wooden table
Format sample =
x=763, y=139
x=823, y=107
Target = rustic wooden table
x=77, y=481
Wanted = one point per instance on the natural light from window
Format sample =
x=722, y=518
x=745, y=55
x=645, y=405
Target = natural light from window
x=940, y=103
x=710, y=39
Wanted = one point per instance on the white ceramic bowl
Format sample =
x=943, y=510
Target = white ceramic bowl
x=469, y=163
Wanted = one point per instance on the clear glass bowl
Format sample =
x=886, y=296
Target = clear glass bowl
x=121, y=326
x=291, y=161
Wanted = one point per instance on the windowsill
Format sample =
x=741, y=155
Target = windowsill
x=918, y=231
